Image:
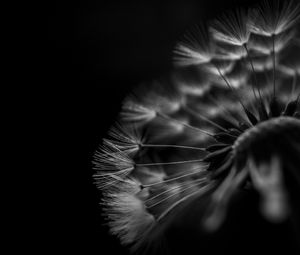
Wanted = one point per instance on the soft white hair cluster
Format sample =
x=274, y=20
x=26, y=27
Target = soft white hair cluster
x=225, y=121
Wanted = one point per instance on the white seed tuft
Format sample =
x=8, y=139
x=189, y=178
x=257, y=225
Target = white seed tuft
x=126, y=214
x=274, y=17
x=195, y=48
x=232, y=28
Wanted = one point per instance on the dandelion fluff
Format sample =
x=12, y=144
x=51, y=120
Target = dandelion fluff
x=126, y=213
x=274, y=17
x=232, y=28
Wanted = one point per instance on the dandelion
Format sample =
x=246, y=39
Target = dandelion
x=216, y=130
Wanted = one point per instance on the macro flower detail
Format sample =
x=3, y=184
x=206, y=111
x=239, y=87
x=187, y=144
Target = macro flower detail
x=226, y=122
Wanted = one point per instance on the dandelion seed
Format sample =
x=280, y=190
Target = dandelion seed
x=127, y=215
x=134, y=112
x=264, y=45
x=232, y=28
x=126, y=139
x=110, y=161
x=274, y=17
x=230, y=52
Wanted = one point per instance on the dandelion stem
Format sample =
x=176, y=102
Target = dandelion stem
x=293, y=85
x=193, y=112
x=254, y=74
x=169, y=163
x=230, y=117
x=273, y=53
x=172, y=179
x=119, y=173
x=173, y=189
x=164, y=116
x=196, y=182
x=114, y=179
x=231, y=88
x=223, y=77
x=171, y=146
x=199, y=191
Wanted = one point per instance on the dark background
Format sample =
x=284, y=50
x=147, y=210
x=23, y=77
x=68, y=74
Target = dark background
x=96, y=52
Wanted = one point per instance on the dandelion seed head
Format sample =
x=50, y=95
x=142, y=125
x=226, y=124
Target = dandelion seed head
x=224, y=122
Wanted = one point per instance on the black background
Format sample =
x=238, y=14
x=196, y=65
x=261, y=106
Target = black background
x=96, y=52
